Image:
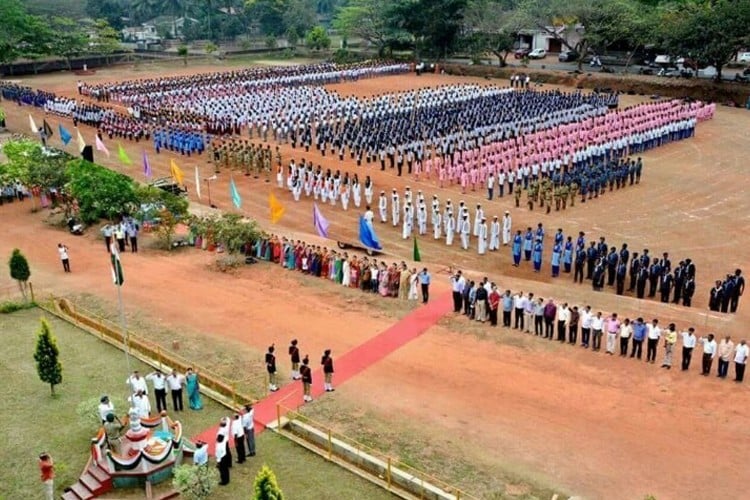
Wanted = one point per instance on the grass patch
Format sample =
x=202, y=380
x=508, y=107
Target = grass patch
x=446, y=458
x=220, y=358
x=11, y=306
x=34, y=421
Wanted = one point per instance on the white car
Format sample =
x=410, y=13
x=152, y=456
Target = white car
x=538, y=54
x=744, y=57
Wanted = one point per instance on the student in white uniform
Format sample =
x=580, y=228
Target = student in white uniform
x=494, y=234
x=507, y=226
x=450, y=228
x=408, y=221
x=482, y=242
x=465, y=230
x=383, y=207
x=395, y=208
x=436, y=224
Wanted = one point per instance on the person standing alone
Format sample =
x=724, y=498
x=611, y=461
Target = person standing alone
x=424, y=281
x=47, y=471
x=63, y=251
x=327, y=362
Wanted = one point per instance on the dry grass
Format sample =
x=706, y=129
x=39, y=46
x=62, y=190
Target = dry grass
x=445, y=458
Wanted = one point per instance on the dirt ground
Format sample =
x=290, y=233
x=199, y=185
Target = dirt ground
x=599, y=427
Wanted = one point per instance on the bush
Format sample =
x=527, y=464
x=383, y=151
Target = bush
x=317, y=38
x=11, y=306
x=195, y=482
x=343, y=56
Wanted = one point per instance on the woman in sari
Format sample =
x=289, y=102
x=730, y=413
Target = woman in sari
x=193, y=390
x=345, y=276
x=384, y=282
x=413, y=279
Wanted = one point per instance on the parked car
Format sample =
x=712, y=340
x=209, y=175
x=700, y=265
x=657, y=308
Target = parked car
x=521, y=53
x=744, y=57
x=538, y=54
x=568, y=56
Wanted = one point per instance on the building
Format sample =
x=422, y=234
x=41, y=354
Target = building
x=538, y=38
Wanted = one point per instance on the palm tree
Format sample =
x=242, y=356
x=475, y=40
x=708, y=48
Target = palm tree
x=142, y=9
x=209, y=9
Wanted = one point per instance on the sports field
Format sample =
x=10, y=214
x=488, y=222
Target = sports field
x=517, y=414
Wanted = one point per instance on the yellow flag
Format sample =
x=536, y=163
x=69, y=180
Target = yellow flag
x=81, y=142
x=277, y=209
x=177, y=174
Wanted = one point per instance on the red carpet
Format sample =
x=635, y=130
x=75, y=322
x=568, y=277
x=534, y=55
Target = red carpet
x=350, y=364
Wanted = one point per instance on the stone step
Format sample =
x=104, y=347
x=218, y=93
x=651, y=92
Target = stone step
x=90, y=482
x=81, y=490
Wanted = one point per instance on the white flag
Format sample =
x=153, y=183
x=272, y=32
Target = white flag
x=197, y=183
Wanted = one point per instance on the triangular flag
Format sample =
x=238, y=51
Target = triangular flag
x=81, y=142
x=47, y=129
x=101, y=147
x=197, y=183
x=32, y=124
x=121, y=154
x=417, y=257
x=236, y=199
x=176, y=172
x=277, y=209
x=320, y=222
x=65, y=136
x=146, y=166
x=117, y=276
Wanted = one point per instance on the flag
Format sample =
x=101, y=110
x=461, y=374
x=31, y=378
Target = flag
x=146, y=166
x=65, y=136
x=417, y=257
x=120, y=153
x=367, y=235
x=177, y=173
x=277, y=209
x=197, y=183
x=236, y=199
x=101, y=147
x=81, y=142
x=117, y=277
x=32, y=124
x=320, y=222
x=47, y=129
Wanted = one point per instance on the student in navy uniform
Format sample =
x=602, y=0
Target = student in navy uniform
x=654, y=273
x=688, y=291
x=624, y=254
x=640, y=284
x=294, y=355
x=715, y=296
x=635, y=266
x=728, y=291
x=528, y=244
x=516, y=249
x=327, y=361
x=739, y=289
x=591, y=256
x=271, y=368
x=598, y=277
x=306, y=375
x=622, y=270
x=568, y=255
x=612, y=260
x=679, y=281
x=665, y=288
x=579, y=264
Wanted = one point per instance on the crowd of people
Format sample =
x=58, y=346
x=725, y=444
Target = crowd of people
x=725, y=294
x=555, y=320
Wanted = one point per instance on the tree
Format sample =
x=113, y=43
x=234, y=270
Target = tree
x=195, y=482
x=436, y=27
x=100, y=193
x=210, y=48
x=491, y=27
x=106, y=41
x=182, y=51
x=19, y=271
x=13, y=30
x=709, y=32
x=169, y=208
x=174, y=7
x=46, y=356
x=371, y=21
x=317, y=38
x=298, y=19
x=69, y=39
x=269, y=14
x=266, y=487
x=110, y=10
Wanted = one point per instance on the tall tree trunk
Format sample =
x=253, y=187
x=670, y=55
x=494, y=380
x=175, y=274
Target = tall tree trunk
x=52, y=389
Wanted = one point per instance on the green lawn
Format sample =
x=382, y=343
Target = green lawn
x=34, y=421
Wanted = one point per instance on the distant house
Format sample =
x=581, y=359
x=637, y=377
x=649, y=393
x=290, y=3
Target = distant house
x=173, y=28
x=538, y=38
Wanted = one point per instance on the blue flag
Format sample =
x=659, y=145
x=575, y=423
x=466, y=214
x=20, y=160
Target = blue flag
x=236, y=199
x=65, y=136
x=367, y=235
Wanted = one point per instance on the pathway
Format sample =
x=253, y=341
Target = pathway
x=348, y=365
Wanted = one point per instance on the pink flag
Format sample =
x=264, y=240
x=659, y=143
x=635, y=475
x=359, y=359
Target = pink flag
x=320, y=222
x=101, y=147
x=146, y=166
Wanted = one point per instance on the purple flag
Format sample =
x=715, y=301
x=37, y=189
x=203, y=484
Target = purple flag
x=320, y=222
x=146, y=166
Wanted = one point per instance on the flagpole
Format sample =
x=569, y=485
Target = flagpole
x=124, y=328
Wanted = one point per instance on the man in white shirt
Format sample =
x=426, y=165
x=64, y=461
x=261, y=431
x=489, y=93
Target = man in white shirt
x=626, y=331
x=200, y=456
x=159, y=382
x=105, y=408
x=688, y=344
x=223, y=459
x=563, y=316
x=586, y=318
x=709, y=353
x=519, y=304
x=248, y=425
x=653, y=336
x=740, y=360
x=137, y=383
x=238, y=433
x=597, y=325
x=725, y=349
x=140, y=402
x=175, y=381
